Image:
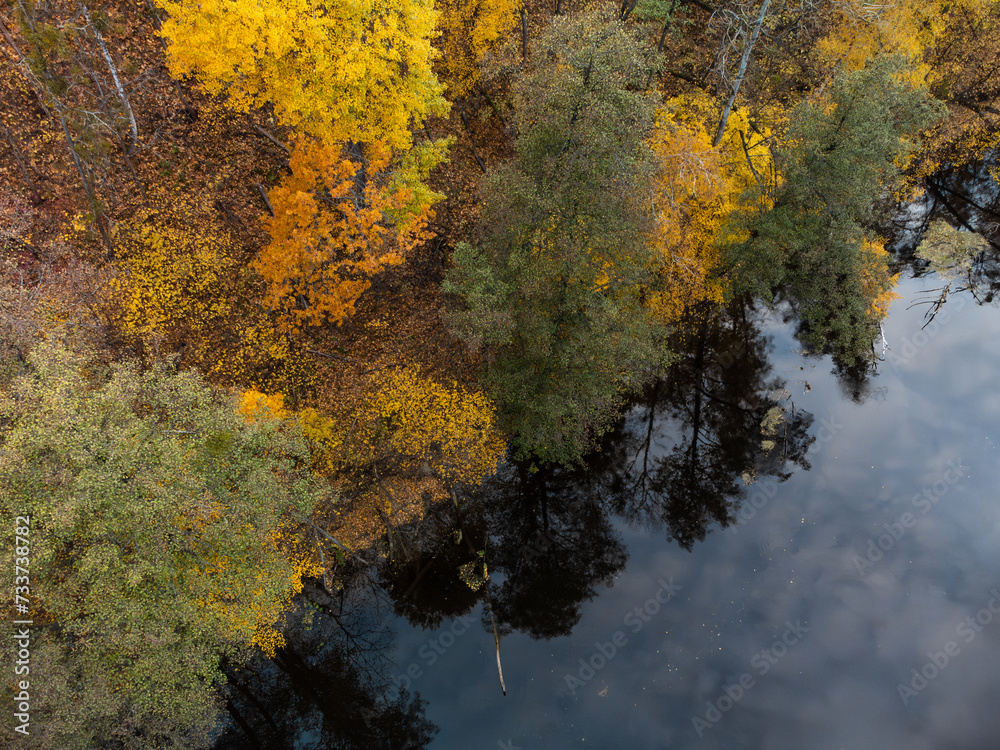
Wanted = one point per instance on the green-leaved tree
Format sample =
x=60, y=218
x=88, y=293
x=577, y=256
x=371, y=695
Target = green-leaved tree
x=843, y=152
x=159, y=534
x=554, y=290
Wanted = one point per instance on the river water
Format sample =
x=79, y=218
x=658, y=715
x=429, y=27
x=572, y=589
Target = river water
x=768, y=553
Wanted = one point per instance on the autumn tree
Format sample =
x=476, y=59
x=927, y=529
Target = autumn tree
x=413, y=427
x=412, y=442
x=448, y=432
x=470, y=29
x=962, y=60
x=553, y=294
x=697, y=189
x=339, y=72
x=858, y=32
x=339, y=218
x=812, y=246
x=162, y=538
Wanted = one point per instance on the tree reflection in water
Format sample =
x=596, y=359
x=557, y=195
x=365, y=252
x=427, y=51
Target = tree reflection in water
x=716, y=424
x=679, y=463
x=326, y=689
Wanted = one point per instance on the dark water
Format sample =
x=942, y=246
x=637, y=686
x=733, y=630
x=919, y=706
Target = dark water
x=659, y=601
x=768, y=553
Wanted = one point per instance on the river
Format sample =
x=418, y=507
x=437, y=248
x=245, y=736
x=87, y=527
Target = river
x=767, y=553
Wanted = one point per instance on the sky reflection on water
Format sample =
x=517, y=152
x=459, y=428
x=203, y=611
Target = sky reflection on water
x=805, y=562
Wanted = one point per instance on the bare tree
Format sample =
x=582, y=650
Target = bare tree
x=741, y=29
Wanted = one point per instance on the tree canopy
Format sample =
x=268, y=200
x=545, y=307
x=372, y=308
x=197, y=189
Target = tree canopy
x=308, y=59
x=842, y=153
x=161, y=528
x=555, y=290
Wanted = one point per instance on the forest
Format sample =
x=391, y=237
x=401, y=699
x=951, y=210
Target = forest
x=278, y=278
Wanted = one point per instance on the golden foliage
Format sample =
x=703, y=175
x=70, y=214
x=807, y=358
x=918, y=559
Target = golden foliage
x=469, y=31
x=256, y=351
x=246, y=609
x=175, y=257
x=411, y=427
x=877, y=283
x=253, y=404
x=341, y=72
x=404, y=449
x=401, y=450
x=180, y=285
x=698, y=189
x=338, y=221
x=861, y=31
x=320, y=431
x=426, y=426
x=965, y=73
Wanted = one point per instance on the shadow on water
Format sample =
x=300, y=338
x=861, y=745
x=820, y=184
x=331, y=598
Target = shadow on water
x=326, y=688
x=531, y=547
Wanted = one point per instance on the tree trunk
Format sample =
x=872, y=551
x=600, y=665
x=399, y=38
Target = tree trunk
x=38, y=86
x=114, y=76
x=86, y=185
x=475, y=153
x=744, y=61
x=20, y=161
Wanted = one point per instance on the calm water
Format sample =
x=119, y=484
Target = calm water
x=766, y=554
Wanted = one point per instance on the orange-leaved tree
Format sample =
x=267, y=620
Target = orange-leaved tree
x=339, y=218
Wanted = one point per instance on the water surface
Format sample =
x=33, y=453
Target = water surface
x=768, y=553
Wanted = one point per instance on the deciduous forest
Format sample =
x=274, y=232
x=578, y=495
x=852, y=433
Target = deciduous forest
x=279, y=277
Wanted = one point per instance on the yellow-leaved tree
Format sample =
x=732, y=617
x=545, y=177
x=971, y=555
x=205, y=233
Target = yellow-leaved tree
x=415, y=442
x=878, y=283
x=352, y=80
x=470, y=30
x=406, y=446
x=698, y=189
x=338, y=71
x=423, y=426
x=860, y=31
x=411, y=426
